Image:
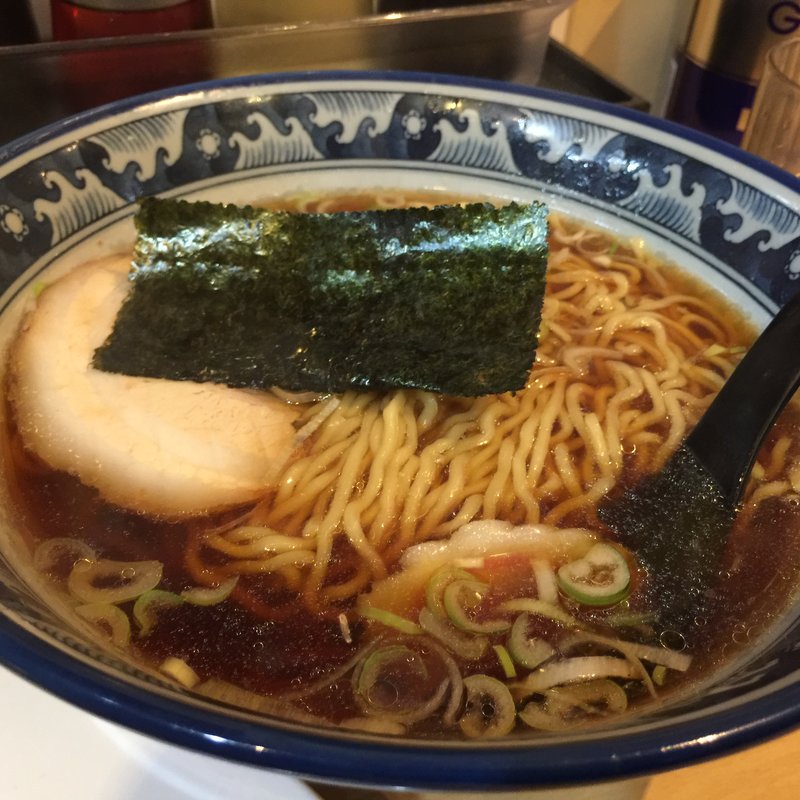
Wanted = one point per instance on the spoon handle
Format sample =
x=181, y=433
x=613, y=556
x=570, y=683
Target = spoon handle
x=728, y=435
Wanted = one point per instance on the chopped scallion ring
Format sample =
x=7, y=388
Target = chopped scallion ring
x=463, y=644
x=532, y=605
x=178, y=669
x=391, y=620
x=462, y=594
x=371, y=674
x=50, y=552
x=111, y=620
x=210, y=595
x=600, y=578
x=527, y=651
x=490, y=711
x=148, y=606
x=506, y=662
x=106, y=581
x=438, y=582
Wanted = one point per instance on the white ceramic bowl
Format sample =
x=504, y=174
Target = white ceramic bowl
x=712, y=209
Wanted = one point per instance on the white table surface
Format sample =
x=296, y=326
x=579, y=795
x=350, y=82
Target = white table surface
x=51, y=750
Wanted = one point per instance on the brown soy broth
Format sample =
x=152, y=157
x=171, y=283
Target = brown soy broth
x=224, y=641
x=760, y=576
x=290, y=646
x=264, y=656
x=52, y=504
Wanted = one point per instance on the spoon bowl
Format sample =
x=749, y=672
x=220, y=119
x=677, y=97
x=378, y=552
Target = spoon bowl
x=677, y=520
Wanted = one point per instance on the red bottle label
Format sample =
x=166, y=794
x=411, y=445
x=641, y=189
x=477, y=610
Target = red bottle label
x=88, y=19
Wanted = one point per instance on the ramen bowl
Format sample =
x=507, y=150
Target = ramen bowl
x=68, y=194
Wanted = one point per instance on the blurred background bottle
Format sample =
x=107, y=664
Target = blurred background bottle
x=101, y=74
x=723, y=61
x=87, y=19
x=16, y=23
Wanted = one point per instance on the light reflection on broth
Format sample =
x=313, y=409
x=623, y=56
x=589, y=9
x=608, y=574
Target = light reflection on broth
x=321, y=602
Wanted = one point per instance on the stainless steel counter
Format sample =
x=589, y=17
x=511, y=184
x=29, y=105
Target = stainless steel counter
x=40, y=84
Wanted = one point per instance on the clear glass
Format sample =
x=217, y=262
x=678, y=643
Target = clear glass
x=773, y=130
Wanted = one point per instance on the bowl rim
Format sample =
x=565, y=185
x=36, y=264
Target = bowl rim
x=368, y=760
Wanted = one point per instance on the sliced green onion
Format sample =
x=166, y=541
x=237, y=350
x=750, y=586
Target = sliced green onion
x=60, y=550
x=391, y=620
x=438, y=582
x=655, y=654
x=531, y=605
x=150, y=604
x=128, y=580
x=456, y=684
x=425, y=709
x=539, y=716
x=659, y=674
x=352, y=665
x=461, y=594
x=490, y=711
x=467, y=646
x=527, y=651
x=506, y=662
x=377, y=690
x=575, y=670
x=233, y=695
x=569, y=706
x=373, y=725
x=210, y=595
x=600, y=578
x=621, y=646
x=369, y=675
x=177, y=668
x=112, y=621
x=598, y=696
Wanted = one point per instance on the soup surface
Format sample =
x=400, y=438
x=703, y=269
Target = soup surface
x=429, y=565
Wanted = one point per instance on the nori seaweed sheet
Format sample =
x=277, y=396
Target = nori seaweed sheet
x=446, y=299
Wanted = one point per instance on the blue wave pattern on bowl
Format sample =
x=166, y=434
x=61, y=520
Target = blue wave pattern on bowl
x=44, y=203
x=47, y=202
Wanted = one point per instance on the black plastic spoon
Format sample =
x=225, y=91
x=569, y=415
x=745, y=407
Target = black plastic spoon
x=677, y=520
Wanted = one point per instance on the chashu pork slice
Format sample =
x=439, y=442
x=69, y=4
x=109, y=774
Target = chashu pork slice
x=161, y=447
